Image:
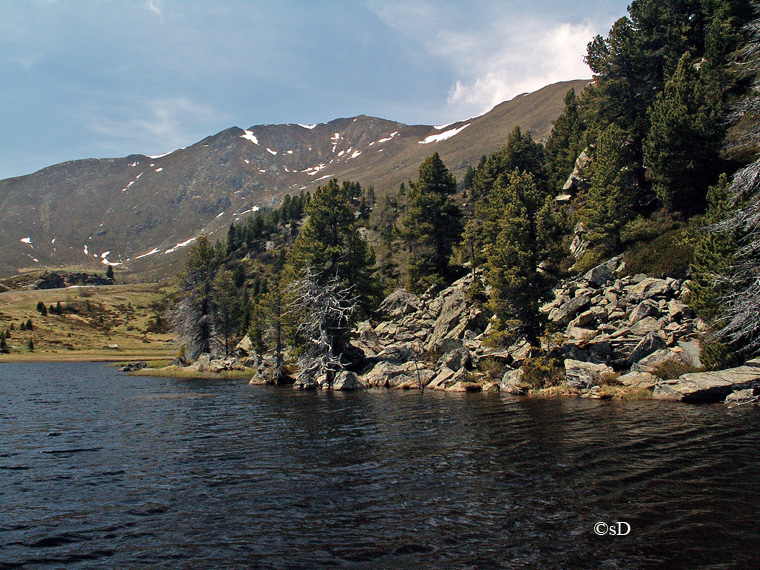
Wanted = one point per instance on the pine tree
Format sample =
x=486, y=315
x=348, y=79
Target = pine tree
x=610, y=199
x=330, y=244
x=519, y=153
x=523, y=252
x=683, y=144
x=193, y=317
x=232, y=240
x=432, y=225
x=109, y=273
x=41, y=308
x=226, y=306
x=738, y=323
x=713, y=254
x=29, y=325
x=566, y=142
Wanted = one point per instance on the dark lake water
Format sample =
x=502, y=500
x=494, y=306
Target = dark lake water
x=102, y=470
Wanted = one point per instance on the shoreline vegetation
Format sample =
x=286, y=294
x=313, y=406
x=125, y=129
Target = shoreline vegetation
x=617, y=259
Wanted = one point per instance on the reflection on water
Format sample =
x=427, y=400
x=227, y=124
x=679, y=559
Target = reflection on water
x=99, y=469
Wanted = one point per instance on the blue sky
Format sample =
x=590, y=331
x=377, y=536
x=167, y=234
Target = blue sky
x=103, y=78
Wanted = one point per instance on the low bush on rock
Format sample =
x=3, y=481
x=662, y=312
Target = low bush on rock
x=543, y=373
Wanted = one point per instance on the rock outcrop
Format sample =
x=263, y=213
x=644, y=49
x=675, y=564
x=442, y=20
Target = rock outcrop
x=709, y=386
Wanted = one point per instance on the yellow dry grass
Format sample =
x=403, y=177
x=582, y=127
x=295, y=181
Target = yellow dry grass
x=109, y=323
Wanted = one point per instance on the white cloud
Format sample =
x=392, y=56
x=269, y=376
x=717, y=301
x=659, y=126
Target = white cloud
x=527, y=63
x=154, y=6
x=155, y=125
x=494, y=52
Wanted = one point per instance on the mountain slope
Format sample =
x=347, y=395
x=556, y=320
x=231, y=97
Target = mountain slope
x=141, y=211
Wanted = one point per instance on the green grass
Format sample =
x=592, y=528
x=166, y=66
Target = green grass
x=175, y=372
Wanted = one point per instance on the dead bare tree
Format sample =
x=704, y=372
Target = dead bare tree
x=740, y=322
x=323, y=313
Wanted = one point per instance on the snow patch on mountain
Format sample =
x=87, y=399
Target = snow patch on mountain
x=314, y=169
x=386, y=139
x=179, y=245
x=272, y=152
x=153, y=251
x=104, y=259
x=310, y=127
x=444, y=135
x=249, y=136
x=26, y=240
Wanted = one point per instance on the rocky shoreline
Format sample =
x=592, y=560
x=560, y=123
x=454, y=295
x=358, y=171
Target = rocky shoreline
x=631, y=336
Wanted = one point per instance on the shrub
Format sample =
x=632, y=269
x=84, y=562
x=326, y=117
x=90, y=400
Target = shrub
x=646, y=229
x=717, y=355
x=542, y=372
x=492, y=368
x=669, y=255
x=610, y=379
x=673, y=370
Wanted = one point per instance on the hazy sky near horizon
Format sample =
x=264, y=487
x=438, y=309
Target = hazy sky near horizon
x=100, y=78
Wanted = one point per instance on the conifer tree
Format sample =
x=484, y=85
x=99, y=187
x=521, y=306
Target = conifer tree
x=226, y=307
x=525, y=246
x=713, y=256
x=330, y=244
x=566, y=142
x=681, y=149
x=610, y=199
x=432, y=225
x=232, y=240
x=193, y=317
x=520, y=152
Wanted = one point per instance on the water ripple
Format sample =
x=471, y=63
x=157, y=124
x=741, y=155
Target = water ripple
x=105, y=470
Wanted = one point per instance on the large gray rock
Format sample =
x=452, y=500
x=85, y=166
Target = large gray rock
x=709, y=386
x=400, y=352
x=450, y=316
x=201, y=364
x=346, y=381
x=657, y=359
x=567, y=311
x=602, y=274
x=645, y=326
x=512, y=383
x=690, y=351
x=649, y=344
x=639, y=380
x=442, y=379
x=583, y=375
x=647, y=288
x=455, y=359
x=388, y=374
x=244, y=347
x=400, y=301
x=646, y=308
x=746, y=396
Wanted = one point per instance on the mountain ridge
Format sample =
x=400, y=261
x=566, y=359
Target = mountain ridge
x=140, y=211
